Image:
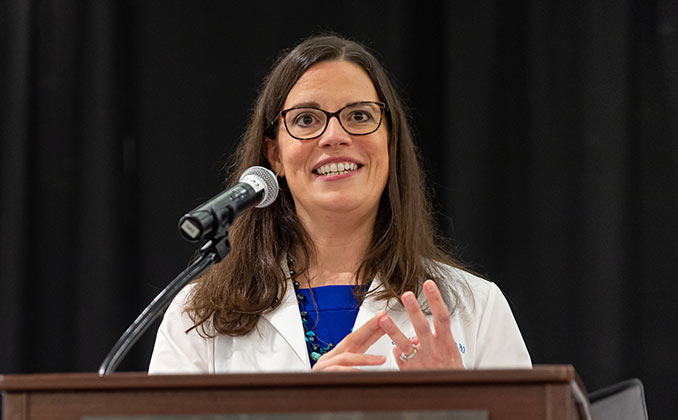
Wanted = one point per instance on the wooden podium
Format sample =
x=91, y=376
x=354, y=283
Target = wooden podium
x=546, y=392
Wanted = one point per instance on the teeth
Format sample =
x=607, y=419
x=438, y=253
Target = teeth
x=336, y=168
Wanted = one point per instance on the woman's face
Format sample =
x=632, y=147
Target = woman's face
x=308, y=164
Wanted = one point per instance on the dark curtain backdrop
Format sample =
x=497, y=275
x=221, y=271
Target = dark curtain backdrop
x=549, y=132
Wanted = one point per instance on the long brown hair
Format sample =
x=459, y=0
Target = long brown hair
x=404, y=250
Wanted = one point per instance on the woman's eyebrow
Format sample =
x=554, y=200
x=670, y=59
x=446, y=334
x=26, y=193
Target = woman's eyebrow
x=306, y=104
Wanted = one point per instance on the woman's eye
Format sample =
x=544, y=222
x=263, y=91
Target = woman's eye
x=305, y=120
x=360, y=116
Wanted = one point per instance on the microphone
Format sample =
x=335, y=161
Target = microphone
x=258, y=187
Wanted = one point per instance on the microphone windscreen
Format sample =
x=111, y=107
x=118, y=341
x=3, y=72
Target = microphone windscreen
x=269, y=180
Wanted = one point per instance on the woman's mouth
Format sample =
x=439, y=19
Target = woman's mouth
x=336, y=168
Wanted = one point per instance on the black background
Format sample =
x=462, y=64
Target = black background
x=549, y=132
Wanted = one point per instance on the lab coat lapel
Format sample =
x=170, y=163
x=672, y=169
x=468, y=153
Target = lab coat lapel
x=286, y=319
x=370, y=306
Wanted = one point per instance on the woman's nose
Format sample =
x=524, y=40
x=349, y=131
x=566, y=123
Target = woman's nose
x=334, y=134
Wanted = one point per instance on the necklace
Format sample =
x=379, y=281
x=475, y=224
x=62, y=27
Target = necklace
x=315, y=345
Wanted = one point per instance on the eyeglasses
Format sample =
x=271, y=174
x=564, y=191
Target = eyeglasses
x=358, y=119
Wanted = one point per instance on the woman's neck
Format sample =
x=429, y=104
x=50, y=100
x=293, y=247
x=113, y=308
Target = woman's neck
x=340, y=244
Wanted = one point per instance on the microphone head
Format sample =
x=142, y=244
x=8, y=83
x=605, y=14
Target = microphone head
x=268, y=178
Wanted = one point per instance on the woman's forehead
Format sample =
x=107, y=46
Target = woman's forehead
x=332, y=84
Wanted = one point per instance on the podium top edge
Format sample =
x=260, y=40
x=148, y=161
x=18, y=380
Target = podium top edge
x=141, y=380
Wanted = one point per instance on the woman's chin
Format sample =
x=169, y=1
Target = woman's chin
x=340, y=203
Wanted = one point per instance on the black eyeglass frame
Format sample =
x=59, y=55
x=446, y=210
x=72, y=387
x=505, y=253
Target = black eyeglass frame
x=283, y=113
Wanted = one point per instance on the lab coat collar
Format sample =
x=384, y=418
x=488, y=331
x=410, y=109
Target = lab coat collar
x=286, y=319
x=370, y=306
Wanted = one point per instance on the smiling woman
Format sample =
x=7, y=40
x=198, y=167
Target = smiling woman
x=343, y=271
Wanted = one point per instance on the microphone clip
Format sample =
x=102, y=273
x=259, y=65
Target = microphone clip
x=220, y=247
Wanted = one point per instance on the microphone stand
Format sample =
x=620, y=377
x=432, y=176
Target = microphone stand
x=213, y=251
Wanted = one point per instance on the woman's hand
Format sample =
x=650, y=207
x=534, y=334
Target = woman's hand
x=350, y=352
x=428, y=350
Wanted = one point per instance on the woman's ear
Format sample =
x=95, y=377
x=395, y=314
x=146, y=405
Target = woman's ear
x=273, y=156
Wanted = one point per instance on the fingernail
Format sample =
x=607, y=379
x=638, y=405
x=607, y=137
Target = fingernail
x=386, y=322
x=408, y=297
x=430, y=286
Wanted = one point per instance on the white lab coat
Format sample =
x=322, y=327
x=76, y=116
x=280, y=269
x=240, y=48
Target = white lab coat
x=484, y=329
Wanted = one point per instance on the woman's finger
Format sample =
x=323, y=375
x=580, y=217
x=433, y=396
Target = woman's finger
x=350, y=351
x=433, y=350
x=328, y=361
x=402, y=343
x=361, y=339
x=417, y=318
x=440, y=314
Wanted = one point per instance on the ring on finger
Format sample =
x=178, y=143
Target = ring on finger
x=405, y=357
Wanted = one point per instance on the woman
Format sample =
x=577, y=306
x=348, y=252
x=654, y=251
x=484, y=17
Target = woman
x=343, y=271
